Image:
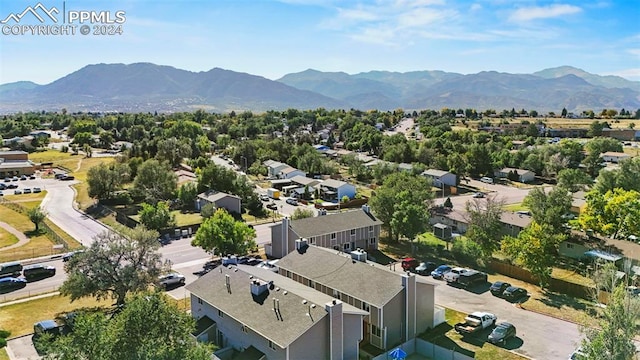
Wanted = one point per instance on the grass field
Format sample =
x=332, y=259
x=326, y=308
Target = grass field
x=515, y=207
x=39, y=245
x=53, y=156
x=3, y=354
x=6, y=238
x=26, y=197
x=19, y=318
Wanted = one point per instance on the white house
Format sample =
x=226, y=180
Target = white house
x=274, y=168
x=614, y=157
x=290, y=172
x=524, y=176
x=439, y=177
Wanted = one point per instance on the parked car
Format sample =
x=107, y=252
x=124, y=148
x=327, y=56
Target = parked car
x=475, y=322
x=503, y=332
x=1, y=194
x=478, y=195
x=2, y=186
x=66, y=257
x=524, y=212
x=439, y=272
x=472, y=278
x=292, y=201
x=425, y=268
x=11, y=269
x=11, y=283
x=23, y=177
x=12, y=186
x=486, y=179
x=264, y=197
x=36, y=190
x=15, y=178
x=38, y=271
x=513, y=293
x=59, y=176
x=172, y=279
x=408, y=264
x=32, y=177
x=26, y=191
x=272, y=206
x=52, y=327
x=67, y=178
x=7, y=179
x=17, y=192
x=452, y=276
x=498, y=288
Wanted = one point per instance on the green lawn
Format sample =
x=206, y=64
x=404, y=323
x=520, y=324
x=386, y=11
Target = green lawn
x=182, y=219
x=38, y=245
x=3, y=354
x=50, y=156
x=7, y=238
x=515, y=207
x=37, y=197
x=19, y=318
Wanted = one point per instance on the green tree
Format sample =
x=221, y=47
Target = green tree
x=223, y=234
x=612, y=214
x=105, y=180
x=535, y=249
x=155, y=181
x=88, y=151
x=485, y=226
x=149, y=327
x=612, y=335
x=549, y=207
x=83, y=138
x=601, y=145
x=300, y=213
x=386, y=198
x=106, y=139
x=187, y=194
x=595, y=129
x=115, y=265
x=157, y=217
x=208, y=210
x=37, y=216
x=573, y=179
x=173, y=151
x=626, y=177
x=409, y=218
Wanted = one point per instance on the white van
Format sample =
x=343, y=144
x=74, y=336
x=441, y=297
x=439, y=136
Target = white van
x=486, y=179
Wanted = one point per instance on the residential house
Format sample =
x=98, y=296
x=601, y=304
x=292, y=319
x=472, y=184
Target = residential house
x=344, y=231
x=578, y=202
x=405, y=167
x=289, y=172
x=324, y=134
x=220, y=200
x=512, y=223
x=518, y=144
x=17, y=140
x=440, y=177
x=303, y=181
x=321, y=148
x=335, y=190
x=523, y=175
x=614, y=157
x=274, y=168
x=262, y=315
x=399, y=305
x=567, y=132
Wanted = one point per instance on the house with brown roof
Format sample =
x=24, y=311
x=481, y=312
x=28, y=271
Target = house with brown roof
x=258, y=314
x=344, y=231
x=399, y=306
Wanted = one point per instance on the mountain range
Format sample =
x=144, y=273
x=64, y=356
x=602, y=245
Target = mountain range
x=149, y=87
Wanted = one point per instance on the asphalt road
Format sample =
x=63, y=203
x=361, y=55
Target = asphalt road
x=539, y=336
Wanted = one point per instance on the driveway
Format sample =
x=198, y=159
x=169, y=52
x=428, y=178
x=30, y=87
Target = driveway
x=59, y=205
x=21, y=348
x=543, y=337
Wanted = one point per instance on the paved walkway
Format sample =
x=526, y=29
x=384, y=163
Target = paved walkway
x=22, y=238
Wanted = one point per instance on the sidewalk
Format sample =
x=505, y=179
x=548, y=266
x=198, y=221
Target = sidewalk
x=22, y=238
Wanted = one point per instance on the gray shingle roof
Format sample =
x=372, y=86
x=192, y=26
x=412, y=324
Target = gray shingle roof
x=259, y=317
x=372, y=284
x=215, y=196
x=435, y=173
x=332, y=183
x=320, y=225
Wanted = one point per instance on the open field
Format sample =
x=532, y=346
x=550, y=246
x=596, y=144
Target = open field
x=6, y=238
x=38, y=245
x=19, y=318
x=54, y=156
x=26, y=197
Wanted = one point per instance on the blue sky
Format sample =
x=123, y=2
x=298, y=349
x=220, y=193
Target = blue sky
x=272, y=38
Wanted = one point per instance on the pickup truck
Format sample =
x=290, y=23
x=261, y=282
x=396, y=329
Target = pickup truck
x=475, y=322
x=453, y=275
x=471, y=278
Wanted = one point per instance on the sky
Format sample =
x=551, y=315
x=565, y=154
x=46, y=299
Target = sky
x=272, y=38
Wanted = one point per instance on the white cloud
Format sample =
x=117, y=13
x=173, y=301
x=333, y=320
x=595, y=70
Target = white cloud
x=475, y=7
x=635, y=52
x=631, y=74
x=543, y=12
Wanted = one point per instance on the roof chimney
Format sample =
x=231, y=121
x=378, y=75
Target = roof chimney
x=366, y=208
x=258, y=287
x=301, y=244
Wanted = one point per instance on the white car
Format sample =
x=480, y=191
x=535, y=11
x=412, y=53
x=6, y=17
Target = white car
x=453, y=275
x=172, y=279
x=264, y=197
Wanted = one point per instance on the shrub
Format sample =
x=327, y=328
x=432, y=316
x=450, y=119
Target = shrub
x=4, y=333
x=3, y=342
x=465, y=249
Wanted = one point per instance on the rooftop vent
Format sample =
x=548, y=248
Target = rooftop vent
x=301, y=244
x=258, y=287
x=359, y=255
x=229, y=260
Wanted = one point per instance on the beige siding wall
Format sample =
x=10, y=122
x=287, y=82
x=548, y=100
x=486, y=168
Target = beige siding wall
x=314, y=344
x=572, y=250
x=393, y=319
x=277, y=247
x=425, y=303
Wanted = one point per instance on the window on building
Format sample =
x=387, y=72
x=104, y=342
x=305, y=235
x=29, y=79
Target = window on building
x=365, y=306
x=312, y=284
x=346, y=246
x=569, y=245
x=353, y=232
x=311, y=241
x=372, y=241
x=375, y=330
x=336, y=294
x=370, y=228
x=220, y=313
x=333, y=236
x=245, y=329
x=199, y=301
x=272, y=346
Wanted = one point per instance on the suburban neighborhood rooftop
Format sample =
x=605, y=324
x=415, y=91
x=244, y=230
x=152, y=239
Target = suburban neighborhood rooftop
x=320, y=225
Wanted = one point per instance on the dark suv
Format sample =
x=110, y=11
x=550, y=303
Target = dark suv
x=38, y=271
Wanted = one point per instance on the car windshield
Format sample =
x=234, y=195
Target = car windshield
x=500, y=330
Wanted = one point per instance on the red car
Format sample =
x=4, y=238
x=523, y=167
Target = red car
x=408, y=264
